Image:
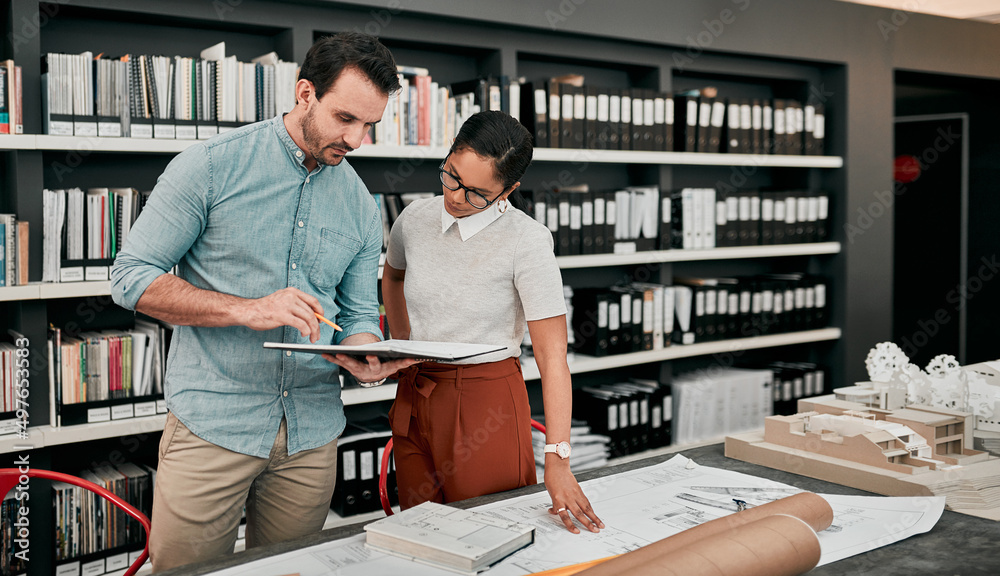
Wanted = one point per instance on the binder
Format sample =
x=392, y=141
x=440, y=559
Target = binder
x=705, y=106
x=602, y=126
x=579, y=116
x=668, y=122
x=822, y=216
x=614, y=120
x=625, y=130
x=686, y=123
x=767, y=128
x=819, y=131
x=575, y=219
x=626, y=343
x=567, y=139
x=591, y=122
x=555, y=114
x=780, y=128
x=534, y=113
x=587, y=222
x=659, y=127
x=639, y=321
x=665, y=233
x=599, y=230
x=716, y=121
x=757, y=136
x=610, y=220
x=734, y=131
x=684, y=314
x=638, y=123
x=767, y=200
x=590, y=321
x=564, y=247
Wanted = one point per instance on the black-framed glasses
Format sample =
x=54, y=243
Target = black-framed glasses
x=475, y=199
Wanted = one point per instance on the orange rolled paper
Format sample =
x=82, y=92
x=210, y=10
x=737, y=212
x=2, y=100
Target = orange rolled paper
x=810, y=508
x=777, y=545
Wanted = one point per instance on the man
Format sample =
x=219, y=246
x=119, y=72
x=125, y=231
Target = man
x=268, y=226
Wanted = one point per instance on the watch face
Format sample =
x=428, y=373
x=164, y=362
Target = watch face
x=562, y=449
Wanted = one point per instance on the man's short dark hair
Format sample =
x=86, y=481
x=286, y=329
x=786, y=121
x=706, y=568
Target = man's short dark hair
x=330, y=55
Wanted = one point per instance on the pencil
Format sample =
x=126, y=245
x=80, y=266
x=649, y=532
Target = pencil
x=322, y=319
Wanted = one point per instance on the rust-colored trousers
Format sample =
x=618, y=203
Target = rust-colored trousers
x=460, y=431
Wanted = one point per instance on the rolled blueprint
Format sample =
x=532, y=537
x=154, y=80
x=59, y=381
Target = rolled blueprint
x=777, y=545
x=812, y=509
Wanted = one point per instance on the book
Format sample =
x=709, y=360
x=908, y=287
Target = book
x=442, y=351
x=461, y=541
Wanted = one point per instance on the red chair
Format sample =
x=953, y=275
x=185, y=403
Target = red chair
x=383, y=491
x=9, y=477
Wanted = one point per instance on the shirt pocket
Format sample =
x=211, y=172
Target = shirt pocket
x=336, y=252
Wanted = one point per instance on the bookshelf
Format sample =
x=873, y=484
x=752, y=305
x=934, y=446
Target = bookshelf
x=453, y=50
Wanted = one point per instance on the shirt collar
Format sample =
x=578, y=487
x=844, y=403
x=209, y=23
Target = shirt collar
x=469, y=226
x=295, y=153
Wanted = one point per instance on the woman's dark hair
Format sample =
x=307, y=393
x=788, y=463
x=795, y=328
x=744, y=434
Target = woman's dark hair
x=330, y=55
x=500, y=138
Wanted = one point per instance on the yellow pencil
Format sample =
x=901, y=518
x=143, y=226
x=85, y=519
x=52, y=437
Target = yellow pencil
x=573, y=568
x=322, y=319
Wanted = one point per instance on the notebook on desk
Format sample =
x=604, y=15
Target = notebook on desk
x=423, y=350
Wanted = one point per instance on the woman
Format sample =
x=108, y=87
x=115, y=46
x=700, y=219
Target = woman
x=469, y=267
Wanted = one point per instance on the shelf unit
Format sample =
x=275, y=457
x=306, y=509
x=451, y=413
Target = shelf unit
x=42, y=142
x=458, y=48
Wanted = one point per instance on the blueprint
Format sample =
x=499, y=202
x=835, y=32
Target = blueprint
x=638, y=507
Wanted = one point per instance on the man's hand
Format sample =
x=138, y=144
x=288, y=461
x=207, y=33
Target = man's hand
x=286, y=307
x=371, y=371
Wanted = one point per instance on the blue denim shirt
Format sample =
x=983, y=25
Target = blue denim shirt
x=240, y=214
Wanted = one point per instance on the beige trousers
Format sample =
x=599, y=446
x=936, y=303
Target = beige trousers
x=201, y=489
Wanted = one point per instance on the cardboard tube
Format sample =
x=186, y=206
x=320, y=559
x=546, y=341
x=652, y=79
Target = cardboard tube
x=810, y=508
x=777, y=545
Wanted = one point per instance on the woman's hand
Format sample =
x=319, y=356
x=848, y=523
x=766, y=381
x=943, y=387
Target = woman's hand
x=568, y=499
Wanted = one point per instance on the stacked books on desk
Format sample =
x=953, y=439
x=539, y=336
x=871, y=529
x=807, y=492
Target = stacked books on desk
x=461, y=541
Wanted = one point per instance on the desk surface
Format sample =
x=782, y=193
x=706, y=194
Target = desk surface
x=958, y=544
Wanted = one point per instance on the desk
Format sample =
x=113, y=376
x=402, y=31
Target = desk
x=970, y=545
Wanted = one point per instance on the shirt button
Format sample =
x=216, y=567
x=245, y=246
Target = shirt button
x=285, y=393
x=298, y=153
x=294, y=266
x=301, y=223
x=288, y=353
x=307, y=180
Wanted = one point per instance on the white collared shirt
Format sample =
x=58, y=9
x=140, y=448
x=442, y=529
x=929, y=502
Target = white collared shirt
x=469, y=226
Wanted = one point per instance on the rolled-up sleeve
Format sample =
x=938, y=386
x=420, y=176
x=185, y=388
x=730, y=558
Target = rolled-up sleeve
x=357, y=294
x=171, y=221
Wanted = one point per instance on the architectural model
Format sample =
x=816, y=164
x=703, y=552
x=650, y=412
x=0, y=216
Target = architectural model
x=907, y=432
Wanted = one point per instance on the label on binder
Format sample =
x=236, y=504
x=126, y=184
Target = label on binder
x=95, y=568
x=60, y=128
x=109, y=129
x=161, y=406
x=122, y=411
x=88, y=129
x=144, y=131
x=206, y=132
x=117, y=562
x=184, y=132
x=71, y=274
x=165, y=131
x=145, y=409
x=69, y=569
x=98, y=415
x=95, y=273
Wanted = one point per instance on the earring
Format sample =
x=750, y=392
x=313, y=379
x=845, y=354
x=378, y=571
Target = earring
x=506, y=205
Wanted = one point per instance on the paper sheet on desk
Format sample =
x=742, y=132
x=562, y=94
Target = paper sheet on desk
x=638, y=507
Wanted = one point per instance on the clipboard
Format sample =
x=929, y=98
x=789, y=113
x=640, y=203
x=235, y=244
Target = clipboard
x=391, y=349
